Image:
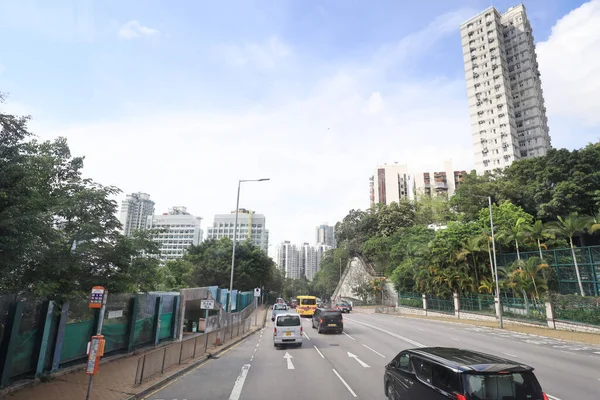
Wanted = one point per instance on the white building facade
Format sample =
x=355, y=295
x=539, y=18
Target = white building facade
x=506, y=104
x=135, y=210
x=251, y=226
x=181, y=230
x=288, y=260
x=438, y=183
x=389, y=184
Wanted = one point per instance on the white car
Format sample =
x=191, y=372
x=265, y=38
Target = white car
x=278, y=309
x=287, y=329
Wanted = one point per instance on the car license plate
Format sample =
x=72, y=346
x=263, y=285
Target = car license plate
x=332, y=325
x=288, y=334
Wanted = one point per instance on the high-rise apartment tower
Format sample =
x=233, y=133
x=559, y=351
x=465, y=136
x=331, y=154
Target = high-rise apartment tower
x=135, y=210
x=506, y=104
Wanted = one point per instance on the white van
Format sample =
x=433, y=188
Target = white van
x=287, y=329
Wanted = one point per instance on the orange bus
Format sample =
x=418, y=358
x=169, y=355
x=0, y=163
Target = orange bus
x=306, y=305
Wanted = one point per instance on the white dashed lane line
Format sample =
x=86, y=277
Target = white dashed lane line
x=319, y=351
x=345, y=384
x=374, y=351
x=348, y=335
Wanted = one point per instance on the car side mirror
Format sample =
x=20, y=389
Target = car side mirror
x=273, y=319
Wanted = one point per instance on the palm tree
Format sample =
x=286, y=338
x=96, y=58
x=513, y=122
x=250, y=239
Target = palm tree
x=538, y=232
x=530, y=270
x=515, y=233
x=471, y=247
x=486, y=286
x=567, y=228
x=595, y=223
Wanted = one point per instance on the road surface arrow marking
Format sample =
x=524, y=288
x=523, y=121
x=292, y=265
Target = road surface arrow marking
x=288, y=358
x=361, y=362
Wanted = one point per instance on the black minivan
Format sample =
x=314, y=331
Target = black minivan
x=440, y=373
x=328, y=320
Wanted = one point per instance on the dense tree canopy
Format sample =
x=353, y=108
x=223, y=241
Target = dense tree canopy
x=530, y=199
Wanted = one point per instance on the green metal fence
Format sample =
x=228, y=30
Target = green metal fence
x=561, y=260
x=575, y=308
x=482, y=304
x=440, y=304
x=410, y=300
x=525, y=309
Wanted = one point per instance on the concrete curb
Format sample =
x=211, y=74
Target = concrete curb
x=193, y=365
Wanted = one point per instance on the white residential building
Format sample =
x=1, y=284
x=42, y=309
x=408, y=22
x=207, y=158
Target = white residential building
x=506, y=104
x=389, y=184
x=308, y=261
x=135, y=210
x=181, y=230
x=288, y=260
x=251, y=226
x=325, y=235
x=438, y=183
x=320, y=250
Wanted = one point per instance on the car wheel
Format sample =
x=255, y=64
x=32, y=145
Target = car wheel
x=300, y=344
x=389, y=390
x=313, y=323
x=319, y=330
x=340, y=331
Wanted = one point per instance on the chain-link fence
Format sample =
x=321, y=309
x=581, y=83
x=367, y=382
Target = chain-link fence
x=576, y=308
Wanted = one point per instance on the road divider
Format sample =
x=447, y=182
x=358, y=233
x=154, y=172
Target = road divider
x=374, y=351
x=239, y=383
x=319, y=351
x=344, y=382
x=407, y=340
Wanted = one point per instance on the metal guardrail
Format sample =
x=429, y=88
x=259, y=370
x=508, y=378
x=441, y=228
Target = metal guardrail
x=158, y=361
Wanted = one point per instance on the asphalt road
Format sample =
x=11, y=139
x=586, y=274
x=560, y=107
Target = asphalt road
x=350, y=366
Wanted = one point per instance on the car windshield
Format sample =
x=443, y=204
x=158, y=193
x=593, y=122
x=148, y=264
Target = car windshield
x=279, y=307
x=308, y=302
x=288, y=320
x=509, y=386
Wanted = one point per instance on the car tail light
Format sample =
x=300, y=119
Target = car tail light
x=321, y=321
x=301, y=330
x=545, y=396
x=275, y=331
x=460, y=397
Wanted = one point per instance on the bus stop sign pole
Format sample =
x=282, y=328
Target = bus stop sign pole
x=96, y=345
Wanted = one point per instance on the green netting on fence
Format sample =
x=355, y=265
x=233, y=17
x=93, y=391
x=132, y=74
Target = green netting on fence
x=143, y=331
x=165, y=326
x=77, y=336
x=115, y=335
x=23, y=360
x=518, y=308
x=575, y=308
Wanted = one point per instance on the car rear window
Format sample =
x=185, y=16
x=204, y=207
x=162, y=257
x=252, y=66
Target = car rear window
x=279, y=307
x=308, y=302
x=332, y=313
x=288, y=320
x=512, y=386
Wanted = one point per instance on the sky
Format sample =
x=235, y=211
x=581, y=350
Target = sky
x=181, y=99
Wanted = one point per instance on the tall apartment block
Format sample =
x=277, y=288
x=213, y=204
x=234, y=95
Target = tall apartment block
x=288, y=260
x=180, y=230
x=135, y=210
x=389, y=184
x=324, y=234
x=251, y=226
x=506, y=104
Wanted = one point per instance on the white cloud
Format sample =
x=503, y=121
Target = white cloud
x=570, y=67
x=319, y=150
x=134, y=29
x=265, y=55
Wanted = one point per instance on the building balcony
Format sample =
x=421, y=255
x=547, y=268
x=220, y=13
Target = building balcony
x=441, y=185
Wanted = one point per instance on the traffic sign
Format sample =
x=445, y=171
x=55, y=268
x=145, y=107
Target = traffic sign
x=257, y=292
x=207, y=304
x=97, y=297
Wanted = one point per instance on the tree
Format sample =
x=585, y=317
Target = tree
x=538, y=232
x=59, y=234
x=471, y=247
x=568, y=227
x=433, y=210
x=530, y=270
x=394, y=216
x=514, y=234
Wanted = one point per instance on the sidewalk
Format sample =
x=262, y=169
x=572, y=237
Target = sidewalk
x=115, y=378
x=589, y=338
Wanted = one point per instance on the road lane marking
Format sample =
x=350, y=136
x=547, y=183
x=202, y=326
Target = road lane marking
x=510, y=355
x=361, y=362
x=304, y=333
x=319, y=351
x=239, y=383
x=345, y=384
x=455, y=339
x=552, y=397
x=374, y=351
x=414, y=343
x=348, y=335
x=422, y=330
x=288, y=358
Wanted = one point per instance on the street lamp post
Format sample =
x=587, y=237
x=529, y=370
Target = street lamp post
x=237, y=210
x=495, y=265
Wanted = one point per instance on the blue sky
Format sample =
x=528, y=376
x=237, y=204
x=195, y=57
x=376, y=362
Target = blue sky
x=182, y=98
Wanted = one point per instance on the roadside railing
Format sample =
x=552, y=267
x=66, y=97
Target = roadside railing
x=158, y=361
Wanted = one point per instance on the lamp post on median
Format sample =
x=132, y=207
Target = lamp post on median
x=237, y=210
x=495, y=266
